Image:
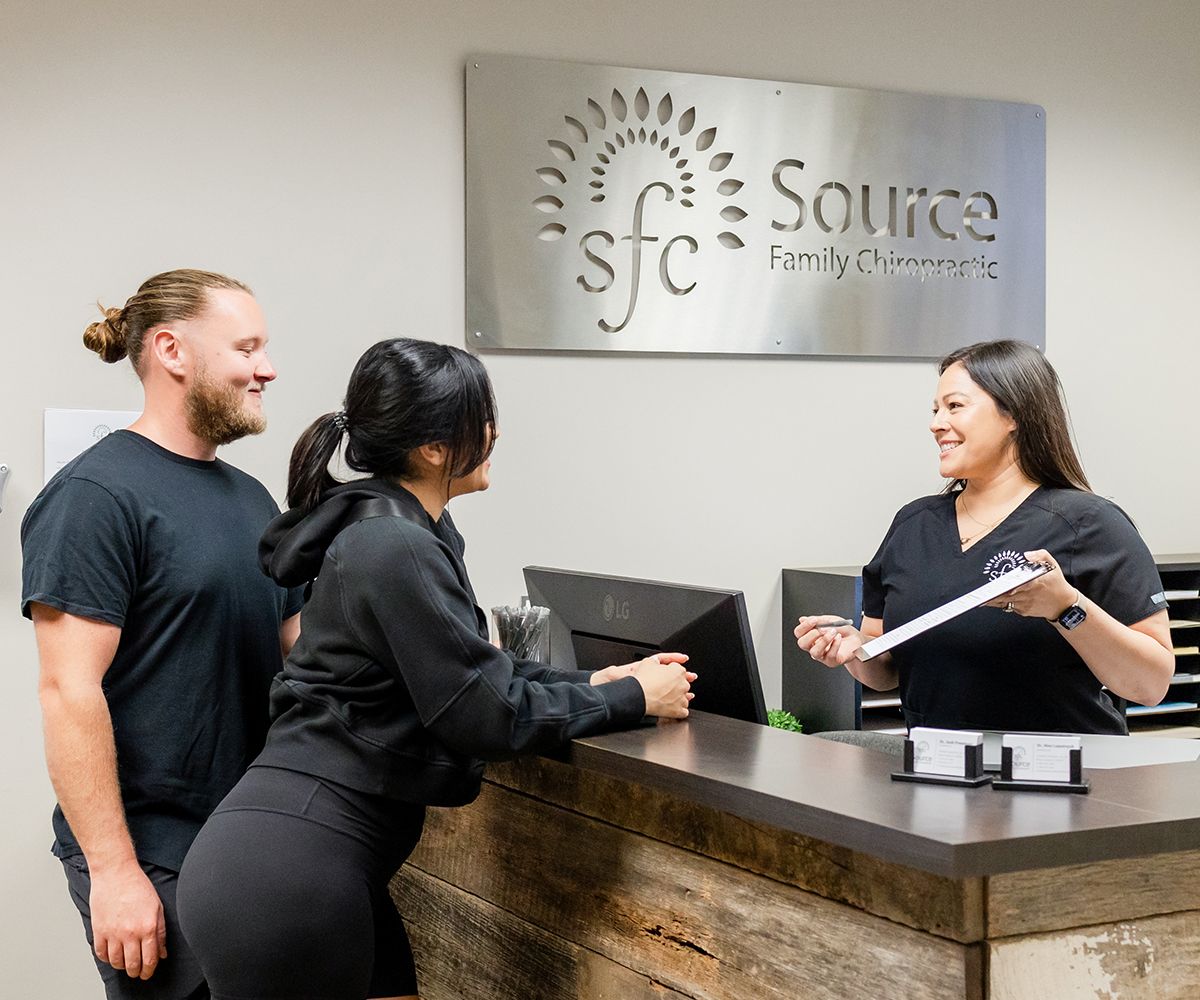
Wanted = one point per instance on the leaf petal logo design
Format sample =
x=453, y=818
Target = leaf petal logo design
x=1003, y=562
x=596, y=140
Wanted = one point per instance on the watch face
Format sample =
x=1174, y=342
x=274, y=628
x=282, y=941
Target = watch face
x=1072, y=617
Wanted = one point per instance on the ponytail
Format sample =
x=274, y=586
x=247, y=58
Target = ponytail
x=308, y=470
x=108, y=337
x=402, y=394
x=165, y=298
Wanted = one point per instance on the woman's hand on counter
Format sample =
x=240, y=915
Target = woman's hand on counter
x=666, y=684
x=611, y=674
x=626, y=669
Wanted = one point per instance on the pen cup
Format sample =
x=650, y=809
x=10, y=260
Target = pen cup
x=524, y=632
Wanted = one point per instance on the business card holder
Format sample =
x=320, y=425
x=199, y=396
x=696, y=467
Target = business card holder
x=1077, y=784
x=972, y=776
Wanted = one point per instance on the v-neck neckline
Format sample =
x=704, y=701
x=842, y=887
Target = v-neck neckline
x=955, y=536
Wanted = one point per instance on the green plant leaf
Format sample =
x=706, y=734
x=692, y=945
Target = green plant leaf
x=779, y=719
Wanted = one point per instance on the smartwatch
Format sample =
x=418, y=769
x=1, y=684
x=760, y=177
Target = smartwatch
x=1074, y=616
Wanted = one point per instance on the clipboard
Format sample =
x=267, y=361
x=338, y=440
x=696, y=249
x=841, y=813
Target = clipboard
x=952, y=609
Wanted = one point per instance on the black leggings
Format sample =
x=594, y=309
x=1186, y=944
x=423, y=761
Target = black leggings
x=284, y=896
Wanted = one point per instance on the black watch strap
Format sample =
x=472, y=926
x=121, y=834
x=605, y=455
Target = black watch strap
x=1074, y=616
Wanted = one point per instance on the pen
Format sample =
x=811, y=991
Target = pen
x=834, y=624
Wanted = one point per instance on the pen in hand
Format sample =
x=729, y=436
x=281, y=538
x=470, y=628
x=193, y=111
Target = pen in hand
x=837, y=623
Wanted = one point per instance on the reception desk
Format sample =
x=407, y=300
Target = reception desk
x=723, y=860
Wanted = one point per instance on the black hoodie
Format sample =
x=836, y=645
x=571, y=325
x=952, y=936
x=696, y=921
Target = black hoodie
x=393, y=687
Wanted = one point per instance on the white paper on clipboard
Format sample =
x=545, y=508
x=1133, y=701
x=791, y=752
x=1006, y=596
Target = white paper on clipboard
x=952, y=609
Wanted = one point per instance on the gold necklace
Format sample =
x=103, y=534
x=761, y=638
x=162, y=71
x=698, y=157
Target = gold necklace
x=964, y=539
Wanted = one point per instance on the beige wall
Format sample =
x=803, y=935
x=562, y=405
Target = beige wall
x=315, y=149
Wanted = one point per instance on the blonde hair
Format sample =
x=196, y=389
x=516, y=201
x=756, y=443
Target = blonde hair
x=166, y=298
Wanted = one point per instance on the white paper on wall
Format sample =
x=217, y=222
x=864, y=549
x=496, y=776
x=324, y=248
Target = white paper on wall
x=68, y=433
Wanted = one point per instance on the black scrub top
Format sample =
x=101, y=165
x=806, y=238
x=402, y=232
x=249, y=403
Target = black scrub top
x=987, y=669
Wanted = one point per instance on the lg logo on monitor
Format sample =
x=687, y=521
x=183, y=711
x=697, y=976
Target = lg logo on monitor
x=615, y=609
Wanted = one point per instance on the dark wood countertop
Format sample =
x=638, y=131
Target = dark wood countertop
x=843, y=794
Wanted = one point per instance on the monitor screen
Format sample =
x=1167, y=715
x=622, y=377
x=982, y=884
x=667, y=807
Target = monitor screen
x=597, y=621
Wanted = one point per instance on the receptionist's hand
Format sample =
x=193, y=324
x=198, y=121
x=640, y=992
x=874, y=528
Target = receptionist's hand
x=833, y=647
x=1046, y=597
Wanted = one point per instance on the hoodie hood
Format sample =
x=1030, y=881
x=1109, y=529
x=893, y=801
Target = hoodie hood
x=293, y=546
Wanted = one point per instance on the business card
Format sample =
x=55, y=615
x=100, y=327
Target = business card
x=941, y=751
x=1041, y=758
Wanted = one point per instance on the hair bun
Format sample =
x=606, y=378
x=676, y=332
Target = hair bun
x=107, y=336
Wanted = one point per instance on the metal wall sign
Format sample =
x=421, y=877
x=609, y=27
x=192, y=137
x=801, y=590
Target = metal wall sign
x=631, y=210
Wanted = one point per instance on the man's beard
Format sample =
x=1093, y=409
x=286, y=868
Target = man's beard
x=217, y=413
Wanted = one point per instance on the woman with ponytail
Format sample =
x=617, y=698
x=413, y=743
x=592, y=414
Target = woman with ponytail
x=391, y=700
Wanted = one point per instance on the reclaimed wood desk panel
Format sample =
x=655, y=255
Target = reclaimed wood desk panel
x=715, y=859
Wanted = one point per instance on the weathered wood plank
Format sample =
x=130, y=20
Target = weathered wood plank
x=947, y=907
x=702, y=927
x=468, y=949
x=1103, y=892
x=1153, y=959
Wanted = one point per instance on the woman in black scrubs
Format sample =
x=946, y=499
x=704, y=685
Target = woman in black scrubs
x=1043, y=657
x=390, y=700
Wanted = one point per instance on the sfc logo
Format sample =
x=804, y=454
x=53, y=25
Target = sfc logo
x=1003, y=562
x=639, y=158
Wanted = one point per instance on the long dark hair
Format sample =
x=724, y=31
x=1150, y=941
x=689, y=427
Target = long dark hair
x=402, y=394
x=1027, y=389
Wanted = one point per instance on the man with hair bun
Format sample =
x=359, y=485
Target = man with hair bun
x=157, y=633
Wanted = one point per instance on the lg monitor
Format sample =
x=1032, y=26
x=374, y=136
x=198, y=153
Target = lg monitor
x=597, y=621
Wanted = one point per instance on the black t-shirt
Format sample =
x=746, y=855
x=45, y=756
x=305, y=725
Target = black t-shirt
x=991, y=670
x=166, y=548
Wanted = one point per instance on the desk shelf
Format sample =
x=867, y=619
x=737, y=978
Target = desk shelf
x=1167, y=708
x=1180, y=575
